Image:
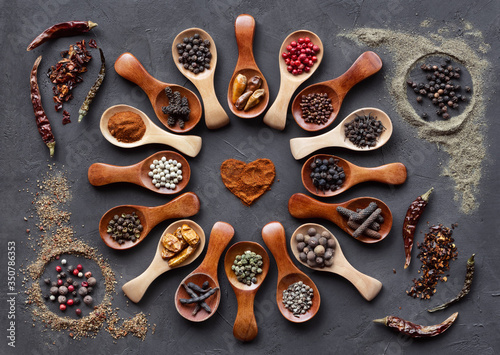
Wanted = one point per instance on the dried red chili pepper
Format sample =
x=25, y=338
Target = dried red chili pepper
x=411, y=219
x=63, y=29
x=416, y=330
x=42, y=122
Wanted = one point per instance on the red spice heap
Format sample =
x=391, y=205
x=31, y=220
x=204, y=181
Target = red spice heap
x=435, y=253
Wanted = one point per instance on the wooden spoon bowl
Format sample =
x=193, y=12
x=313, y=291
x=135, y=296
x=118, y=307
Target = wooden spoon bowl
x=301, y=147
x=365, y=66
x=276, y=115
x=100, y=174
x=136, y=288
x=273, y=234
x=244, y=28
x=394, y=174
x=131, y=69
x=303, y=206
x=367, y=286
x=186, y=205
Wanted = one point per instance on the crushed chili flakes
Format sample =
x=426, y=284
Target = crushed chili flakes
x=92, y=43
x=66, y=117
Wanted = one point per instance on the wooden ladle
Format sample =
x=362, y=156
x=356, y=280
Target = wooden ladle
x=367, y=286
x=131, y=69
x=102, y=174
x=303, y=206
x=189, y=145
x=220, y=236
x=302, y=147
x=276, y=115
x=215, y=116
x=273, y=234
x=245, y=325
x=366, y=65
x=244, y=28
x=394, y=174
x=136, y=288
x=186, y=205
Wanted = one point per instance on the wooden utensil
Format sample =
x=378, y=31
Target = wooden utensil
x=302, y=206
x=302, y=147
x=273, y=234
x=244, y=28
x=276, y=115
x=220, y=236
x=365, y=66
x=131, y=69
x=186, y=205
x=136, y=288
x=367, y=286
x=189, y=145
x=215, y=116
x=245, y=326
x=102, y=174
x=394, y=174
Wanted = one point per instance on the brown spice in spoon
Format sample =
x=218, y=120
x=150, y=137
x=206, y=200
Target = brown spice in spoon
x=126, y=126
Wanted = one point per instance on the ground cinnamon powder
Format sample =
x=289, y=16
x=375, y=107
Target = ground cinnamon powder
x=126, y=126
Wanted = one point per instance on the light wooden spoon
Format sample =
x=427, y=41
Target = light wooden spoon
x=301, y=147
x=276, y=115
x=215, y=116
x=136, y=288
x=367, y=286
x=189, y=145
x=244, y=28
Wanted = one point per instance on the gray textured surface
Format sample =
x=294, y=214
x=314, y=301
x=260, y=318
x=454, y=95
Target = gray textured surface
x=343, y=325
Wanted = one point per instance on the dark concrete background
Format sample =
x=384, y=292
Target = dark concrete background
x=343, y=324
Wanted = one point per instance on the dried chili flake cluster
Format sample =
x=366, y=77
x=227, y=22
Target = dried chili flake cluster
x=435, y=254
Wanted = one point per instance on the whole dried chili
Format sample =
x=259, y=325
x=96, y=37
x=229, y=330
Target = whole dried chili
x=469, y=276
x=63, y=29
x=94, y=89
x=411, y=219
x=42, y=122
x=416, y=330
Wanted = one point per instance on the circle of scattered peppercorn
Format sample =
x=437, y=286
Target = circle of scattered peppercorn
x=301, y=56
x=363, y=131
x=316, y=108
x=326, y=174
x=194, y=53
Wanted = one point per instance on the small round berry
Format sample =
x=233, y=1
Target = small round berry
x=71, y=288
x=79, y=267
x=80, y=274
x=78, y=312
x=63, y=261
x=62, y=307
x=69, y=302
x=58, y=268
x=60, y=282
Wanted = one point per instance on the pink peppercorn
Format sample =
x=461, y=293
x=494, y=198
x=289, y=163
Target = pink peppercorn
x=62, y=307
x=75, y=272
x=58, y=268
x=69, y=302
x=301, y=56
x=71, y=288
x=78, y=311
x=59, y=282
x=79, y=267
x=85, y=284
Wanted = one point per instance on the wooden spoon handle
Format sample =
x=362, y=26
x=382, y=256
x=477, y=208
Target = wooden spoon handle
x=189, y=145
x=303, y=206
x=136, y=288
x=394, y=173
x=220, y=236
x=244, y=29
x=245, y=326
x=276, y=115
x=215, y=116
x=367, y=286
x=131, y=69
x=302, y=147
x=186, y=205
x=273, y=234
x=102, y=174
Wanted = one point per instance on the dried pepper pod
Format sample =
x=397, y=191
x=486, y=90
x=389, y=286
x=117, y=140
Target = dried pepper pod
x=183, y=255
x=410, y=224
x=254, y=83
x=178, y=234
x=170, y=242
x=63, y=29
x=254, y=99
x=190, y=235
x=94, y=89
x=416, y=330
x=242, y=100
x=239, y=86
x=167, y=254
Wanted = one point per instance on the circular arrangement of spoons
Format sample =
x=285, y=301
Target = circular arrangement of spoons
x=136, y=288
x=100, y=174
x=367, y=286
x=365, y=66
x=129, y=67
x=394, y=174
x=302, y=147
x=186, y=205
x=276, y=115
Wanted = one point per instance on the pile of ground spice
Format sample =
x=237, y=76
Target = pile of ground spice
x=126, y=126
x=462, y=136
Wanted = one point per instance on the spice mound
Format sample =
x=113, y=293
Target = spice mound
x=247, y=266
x=365, y=221
x=125, y=227
x=247, y=93
x=300, y=56
x=326, y=174
x=316, y=108
x=126, y=126
x=177, y=247
x=297, y=298
x=248, y=181
x=363, y=131
x=194, y=53
x=316, y=249
x=178, y=108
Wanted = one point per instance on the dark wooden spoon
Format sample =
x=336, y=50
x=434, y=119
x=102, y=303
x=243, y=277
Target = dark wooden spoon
x=303, y=206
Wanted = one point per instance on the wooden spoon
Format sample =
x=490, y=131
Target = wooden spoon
x=102, y=174
x=303, y=206
x=220, y=236
x=215, y=116
x=189, y=145
x=394, y=174
x=136, y=288
x=131, y=69
x=244, y=28
x=365, y=66
x=366, y=285
x=245, y=325
x=276, y=115
x=273, y=234
x=302, y=147
x=186, y=205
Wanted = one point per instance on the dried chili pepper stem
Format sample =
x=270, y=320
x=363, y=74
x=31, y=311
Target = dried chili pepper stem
x=416, y=330
x=94, y=89
x=63, y=29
